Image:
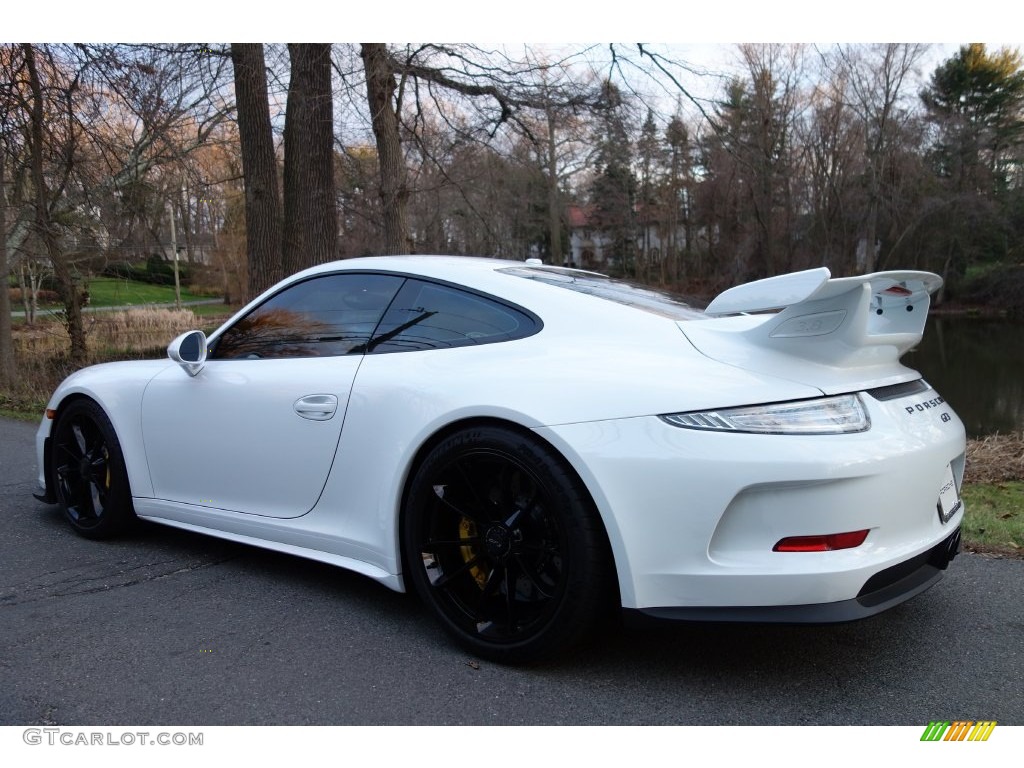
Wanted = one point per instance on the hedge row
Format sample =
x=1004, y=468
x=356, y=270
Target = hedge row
x=155, y=271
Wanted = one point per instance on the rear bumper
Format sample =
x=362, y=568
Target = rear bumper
x=693, y=516
x=885, y=589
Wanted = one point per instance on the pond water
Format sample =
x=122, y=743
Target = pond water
x=977, y=365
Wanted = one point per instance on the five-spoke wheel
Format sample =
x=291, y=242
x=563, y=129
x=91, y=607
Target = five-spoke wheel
x=503, y=543
x=88, y=471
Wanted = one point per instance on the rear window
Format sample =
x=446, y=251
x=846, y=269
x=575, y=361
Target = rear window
x=625, y=292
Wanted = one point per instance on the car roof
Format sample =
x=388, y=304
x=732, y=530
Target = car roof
x=440, y=267
x=473, y=272
x=499, y=278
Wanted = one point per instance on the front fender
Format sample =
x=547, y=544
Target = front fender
x=117, y=388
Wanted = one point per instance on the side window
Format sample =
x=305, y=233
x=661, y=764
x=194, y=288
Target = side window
x=432, y=316
x=323, y=316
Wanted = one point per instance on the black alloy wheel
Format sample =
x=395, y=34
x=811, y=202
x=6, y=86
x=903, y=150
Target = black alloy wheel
x=503, y=543
x=89, y=474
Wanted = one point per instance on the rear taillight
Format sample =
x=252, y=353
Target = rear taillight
x=821, y=416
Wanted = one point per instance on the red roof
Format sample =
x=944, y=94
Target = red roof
x=579, y=216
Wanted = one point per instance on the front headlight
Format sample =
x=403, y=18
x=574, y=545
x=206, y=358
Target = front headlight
x=821, y=416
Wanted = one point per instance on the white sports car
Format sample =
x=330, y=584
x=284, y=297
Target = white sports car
x=525, y=446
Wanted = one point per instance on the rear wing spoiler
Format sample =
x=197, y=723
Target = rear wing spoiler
x=848, y=321
x=783, y=291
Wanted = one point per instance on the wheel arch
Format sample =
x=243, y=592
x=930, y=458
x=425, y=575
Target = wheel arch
x=127, y=430
x=62, y=406
x=93, y=488
x=444, y=432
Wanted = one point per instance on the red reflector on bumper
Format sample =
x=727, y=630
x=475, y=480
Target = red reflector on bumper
x=825, y=543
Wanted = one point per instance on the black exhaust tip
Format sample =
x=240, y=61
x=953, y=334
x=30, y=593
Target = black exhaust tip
x=954, y=545
x=944, y=553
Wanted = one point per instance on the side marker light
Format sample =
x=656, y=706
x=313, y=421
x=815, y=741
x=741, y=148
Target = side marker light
x=824, y=543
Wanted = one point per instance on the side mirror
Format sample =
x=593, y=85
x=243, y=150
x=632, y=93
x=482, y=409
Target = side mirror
x=189, y=351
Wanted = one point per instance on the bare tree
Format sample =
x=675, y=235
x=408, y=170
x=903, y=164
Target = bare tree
x=833, y=141
x=7, y=107
x=6, y=336
x=775, y=73
x=385, y=102
x=562, y=150
x=259, y=164
x=878, y=79
x=44, y=141
x=113, y=117
x=752, y=161
x=310, y=210
x=477, y=94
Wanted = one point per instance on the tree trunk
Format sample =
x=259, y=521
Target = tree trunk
x=30, y=290
x=69, y=292
x=871, y=234
x=6, y=336
x=310, y=232
x=554, y=209
x=25, y=303
x=259, y=166
x=380, y=89
x=187, y=223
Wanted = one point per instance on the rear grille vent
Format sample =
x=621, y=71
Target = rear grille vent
x=896, y=391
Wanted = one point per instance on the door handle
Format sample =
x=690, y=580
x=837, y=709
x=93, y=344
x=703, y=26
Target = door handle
x=316, y=407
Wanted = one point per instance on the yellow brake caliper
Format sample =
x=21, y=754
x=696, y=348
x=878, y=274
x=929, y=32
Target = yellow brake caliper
x=467, y=530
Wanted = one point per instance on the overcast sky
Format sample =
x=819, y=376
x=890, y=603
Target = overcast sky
x=508, y=21
x=709, y=30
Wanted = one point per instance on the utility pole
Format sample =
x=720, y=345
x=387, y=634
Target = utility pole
x=174, y=248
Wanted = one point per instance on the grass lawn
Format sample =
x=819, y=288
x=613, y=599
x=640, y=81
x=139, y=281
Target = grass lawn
x=33, y=417
x=995, y=515
x=112, y=292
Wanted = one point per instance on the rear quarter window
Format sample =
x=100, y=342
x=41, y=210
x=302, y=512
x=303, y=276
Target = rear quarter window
x=429, y=315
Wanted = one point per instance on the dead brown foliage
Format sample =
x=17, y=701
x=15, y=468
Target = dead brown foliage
x=41, y=351
x=995, y=459
x=132, y=330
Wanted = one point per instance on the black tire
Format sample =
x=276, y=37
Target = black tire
x=503, y=543
x=89, y=476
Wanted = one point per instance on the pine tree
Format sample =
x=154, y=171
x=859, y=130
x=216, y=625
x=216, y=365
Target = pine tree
x=679, y=196
x=614, y=190
x=976, y=100
x=649, y=208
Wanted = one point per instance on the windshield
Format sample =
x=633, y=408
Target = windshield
x=653, y=300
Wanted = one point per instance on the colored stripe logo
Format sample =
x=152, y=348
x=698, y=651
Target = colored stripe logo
x=960, y=730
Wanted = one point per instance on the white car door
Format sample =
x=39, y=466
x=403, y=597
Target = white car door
x=257, y=429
